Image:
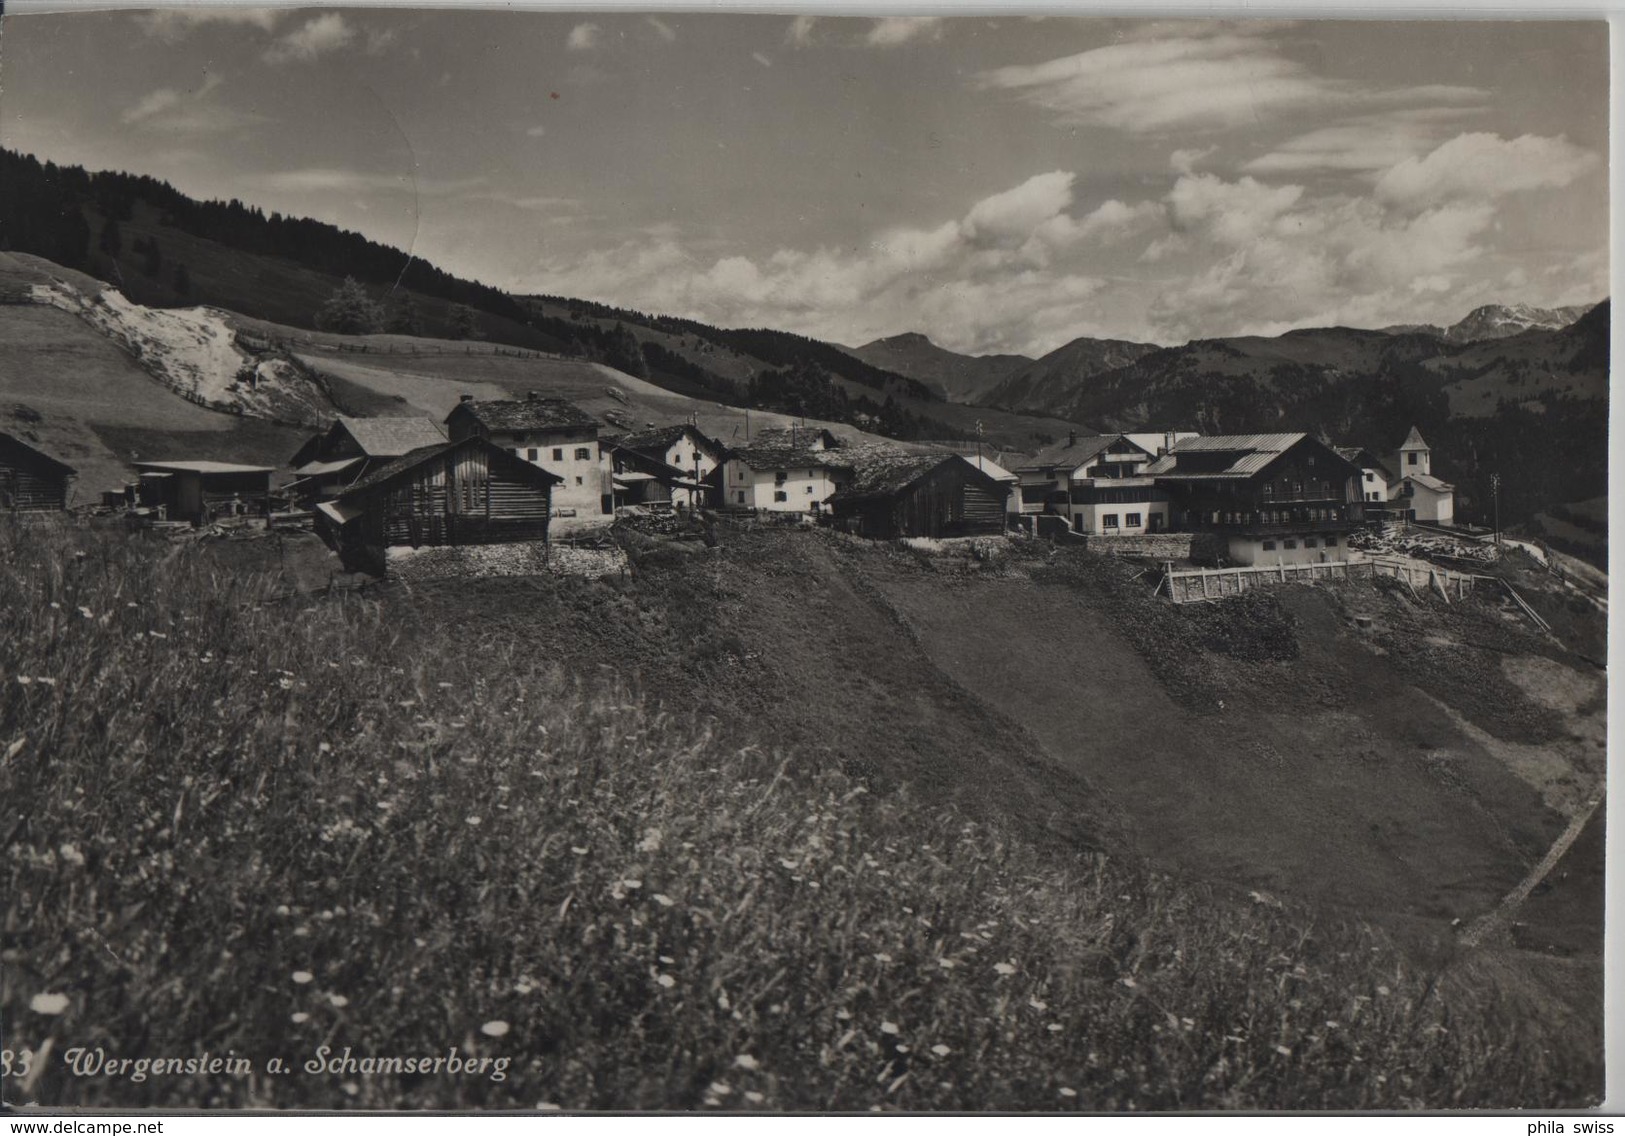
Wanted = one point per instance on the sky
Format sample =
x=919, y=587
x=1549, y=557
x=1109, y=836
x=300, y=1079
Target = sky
x=999, y=184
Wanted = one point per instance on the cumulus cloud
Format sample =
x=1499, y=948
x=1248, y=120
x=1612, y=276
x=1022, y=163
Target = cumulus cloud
x=800, y=31
x=1482, y=167
x=1008, y=274
x=1184, y=161
x=1178, y=76
x=583, y=37
x=1364, y=143
x=893, y=31
x=172, y=111
x=174, y=24
x=315, y=38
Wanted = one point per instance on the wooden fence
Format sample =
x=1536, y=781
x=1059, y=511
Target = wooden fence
x=1198, y=584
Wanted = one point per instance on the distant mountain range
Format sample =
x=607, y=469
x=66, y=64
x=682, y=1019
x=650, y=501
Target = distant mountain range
x=950, y=375
x=1497, y=321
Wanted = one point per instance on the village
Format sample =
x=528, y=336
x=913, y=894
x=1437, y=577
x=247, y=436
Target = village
x=497, y=485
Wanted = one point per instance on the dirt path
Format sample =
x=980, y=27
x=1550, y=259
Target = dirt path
x=1495, y=921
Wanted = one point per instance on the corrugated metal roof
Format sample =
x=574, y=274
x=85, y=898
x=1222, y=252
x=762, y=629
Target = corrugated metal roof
x=1273, y=443
x=392, y=437
x=316, y=469
x=202, y=467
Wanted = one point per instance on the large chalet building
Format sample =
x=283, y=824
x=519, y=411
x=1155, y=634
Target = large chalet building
x=1274, y=498
x=551, y=433
x=1097, y=483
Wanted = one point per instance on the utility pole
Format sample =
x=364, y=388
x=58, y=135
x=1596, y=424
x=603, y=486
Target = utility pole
x=979, y=444
x=1495, y=496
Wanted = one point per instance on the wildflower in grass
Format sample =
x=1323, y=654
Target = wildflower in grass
x=843, y=1015
x=339, y=1000
x=23, y=680
x=746, y=1061
x=946, y=963
x=888, y=1027
x=473, y=821
x=719, y=1088
x=662, y=899
x=941, y=1050
x=299, y=1017
x=1384, y=991
x=1037, y=1005
x=631, y=885
x=1066, y=1092
x=301, y=977
x=791, y=865
x=48, y=1003
x=1283, y=1050
x=1004, y=968
x=285, y=683
x=86, y=612
x=71, y=854
x=651, y=841
x=1054, y=1027
x=496, y=1027
x=882, y=957
x=578, y=851
x=754, y=1097
x=667, y=981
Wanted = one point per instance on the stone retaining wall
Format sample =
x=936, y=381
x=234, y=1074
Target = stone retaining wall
x=1200, y=548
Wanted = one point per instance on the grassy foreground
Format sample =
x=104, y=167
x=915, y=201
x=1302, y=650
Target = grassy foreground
x=257, y=827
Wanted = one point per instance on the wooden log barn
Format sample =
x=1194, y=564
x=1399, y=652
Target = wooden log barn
x=927, y=495
x=31, y=481
x=468, y=492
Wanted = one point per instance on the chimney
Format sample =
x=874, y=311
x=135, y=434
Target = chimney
x=465, y=398
x=1071, y=437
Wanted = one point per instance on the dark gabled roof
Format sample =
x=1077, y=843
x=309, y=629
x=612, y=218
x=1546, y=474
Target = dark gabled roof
x=1247, y=455
x=417, y=457
x=783, y=457
x=661, y=438
x=881, y=476
x=1073, y=452
x=1363, y=458
x=525, y=414
x=798, y=436
x=37, y=455
x=392, y=437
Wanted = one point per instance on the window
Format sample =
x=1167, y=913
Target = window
x=1369, y=476
x=1109, y=520
x=809, y=489
x=1325, y=489
x=1289, y=544
x=779, y=477
x=579, y=481
x=533, y=453
x=741, y=493
x=1309, y=542
x=780, y=495
x=1269, y=489
x=1269, y=546
x=1410, y=458
x=583, y=453
x=1297, y=489
x=558, y=455
x=1132, y=520
x=1331, y=542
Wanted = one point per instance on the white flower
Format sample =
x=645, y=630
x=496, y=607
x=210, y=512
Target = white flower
x=72, y=855
x=888, y=1027
x=1066, y=1092
x=1004, y=968
x=338, y=1000
x=941, y=1050
x=1037, y=1005
x=632, y=885
x=651, y=841
x=300, y=977
x=301, y=1016
x=746, y=1061
x=475, y=821
x=495, y=1028
x=667, y=981
x=662, y=899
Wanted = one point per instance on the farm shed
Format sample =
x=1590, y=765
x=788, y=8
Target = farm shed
x=31, y=481
x=550, y=433
x=921, y=495
x=471, y=492
x=351, y=448
x=200, y=491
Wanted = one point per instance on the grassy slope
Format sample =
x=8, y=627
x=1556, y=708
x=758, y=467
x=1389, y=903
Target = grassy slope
x=355, y=830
